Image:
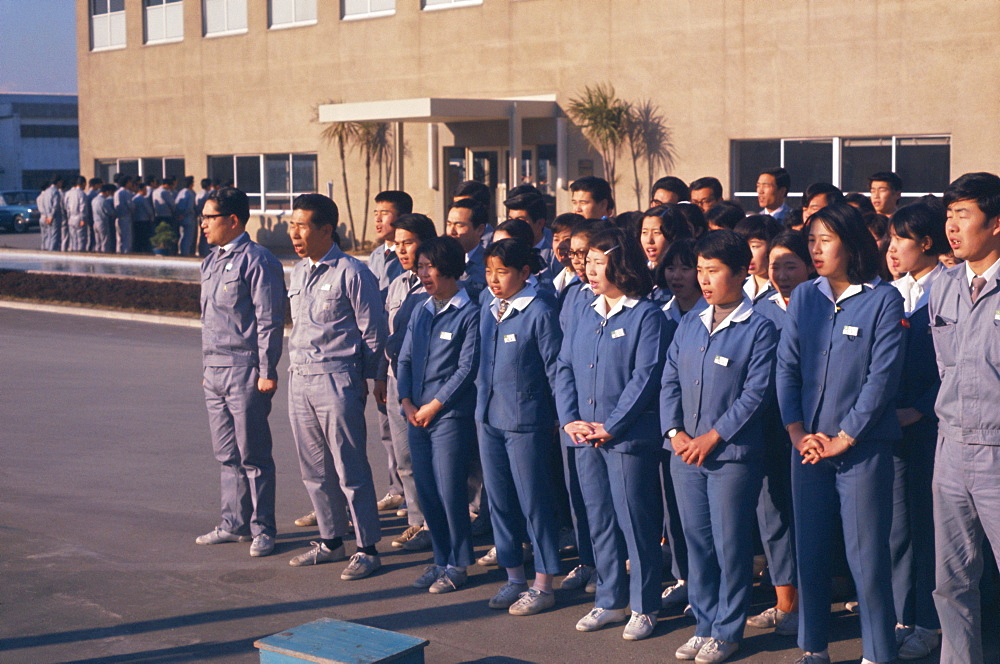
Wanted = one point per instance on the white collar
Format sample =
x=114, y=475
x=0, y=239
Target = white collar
x=520, y=301
x=737, y=315
x=778, y=300
x=989, y=275
x=226, y=248
x=561, y=280
x=824, y=287
x=458, y=300
x=916, y=292
x=750, y=288
x=600, y=304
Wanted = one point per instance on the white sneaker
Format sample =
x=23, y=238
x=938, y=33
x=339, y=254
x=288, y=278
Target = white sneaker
x=716, y=651
x=389, y=502
x=318, y=554
x=675, y=594
x=360, y=566
x=639, y=626
x=598, y=618
x=690, y=650
x=490, y=559
x=220, y=536
x=263, y=545
x=920, y=643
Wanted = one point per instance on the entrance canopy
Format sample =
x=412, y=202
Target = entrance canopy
x=432, y=110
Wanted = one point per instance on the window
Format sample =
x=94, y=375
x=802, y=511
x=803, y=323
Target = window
x=446, y=4
x=164, y=21
x=271, y=181
x=159, y=167
x=367, y=8
x=292, y=13
x=50, y=131
x=225, y=17
x=107, y=24
x=923, y=162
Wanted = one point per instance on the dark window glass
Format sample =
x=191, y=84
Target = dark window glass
x=749, y=158
x=174, y=168
x=248, y=174
x=924, y=164
x=808, y=162
x=860, y=158
x=221, y=168
x=303, y=173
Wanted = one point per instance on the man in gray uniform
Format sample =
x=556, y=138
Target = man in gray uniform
x=75, y=202
x=52, y=215
x=184, y=208
x=338, y=336
x=123, y=214
x=964, y=308
x=103, y=210
x=163, y=204
x=242, y=325
x=92, y=192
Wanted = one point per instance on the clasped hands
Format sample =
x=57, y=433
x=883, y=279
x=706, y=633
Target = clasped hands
x=816, y=446
x=423, y=416
x=694, y=451
x=587, y=433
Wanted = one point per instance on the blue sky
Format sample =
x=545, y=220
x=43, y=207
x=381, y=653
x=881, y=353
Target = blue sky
x=37, y=46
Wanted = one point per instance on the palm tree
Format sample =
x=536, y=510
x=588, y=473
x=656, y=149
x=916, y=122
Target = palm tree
x=603, y=118
x=373, y=141
x=649, y=139
x=345, y=134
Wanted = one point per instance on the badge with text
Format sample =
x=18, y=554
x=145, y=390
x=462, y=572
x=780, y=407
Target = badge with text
x=996, y=316
x=229, y=266
x=620, y=332
x=851, y=331
x=722, y=361
x=446, y=336
x=509, y=338
x=325, y=287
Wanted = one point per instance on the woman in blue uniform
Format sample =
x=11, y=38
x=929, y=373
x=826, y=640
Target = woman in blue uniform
x=917, y=238
x=839, y=362
x=716, y=380
x=608, y=379
x=520, y=338
x=437, y=369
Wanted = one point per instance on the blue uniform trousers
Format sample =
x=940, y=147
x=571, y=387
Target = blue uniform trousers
x=716, y=503
x=673, y=529
x=858, y=483
x=400, y=452
x=241, y=441
x=912, y=537
x=966, y=509
x=440, y=455
x=516, y=474
x=327, y=413
x=621, y=492
x=774, y=511
x=578, y=508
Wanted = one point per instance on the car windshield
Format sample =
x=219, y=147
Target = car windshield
x=17, y=198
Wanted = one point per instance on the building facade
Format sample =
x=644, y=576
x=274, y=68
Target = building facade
x=242, y=90
x=39, y=137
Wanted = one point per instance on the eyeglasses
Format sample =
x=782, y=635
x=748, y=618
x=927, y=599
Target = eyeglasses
x=581, y=254
x=213, y=216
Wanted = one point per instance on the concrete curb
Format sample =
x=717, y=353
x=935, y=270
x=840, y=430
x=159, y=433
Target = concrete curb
x=161, y=319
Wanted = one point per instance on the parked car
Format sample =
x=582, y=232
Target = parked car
x=18, y=210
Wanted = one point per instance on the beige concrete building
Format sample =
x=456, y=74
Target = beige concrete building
x=242, y=90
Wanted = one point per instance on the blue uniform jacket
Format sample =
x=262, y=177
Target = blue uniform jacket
x=404, y=295
x=609, y=371
x=577, y=297
x=720, y=380
x=384, y=268
x=920, y=382
x=967, y=345
x=839, y=365
x=474, y=279
x=440, y=357
x=243, y=308
x=339, y=319
x=517, y=366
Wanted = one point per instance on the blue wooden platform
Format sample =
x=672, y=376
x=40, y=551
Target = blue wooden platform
x=328, y=641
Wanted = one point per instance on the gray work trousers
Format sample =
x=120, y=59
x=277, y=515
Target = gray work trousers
x=401, y=451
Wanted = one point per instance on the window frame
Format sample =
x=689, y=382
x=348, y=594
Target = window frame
x=228, y=32
x=179, y=4
x=262, y=195
x=106, y=17
x=295, y=23
x=344, y=16
x=452, y=4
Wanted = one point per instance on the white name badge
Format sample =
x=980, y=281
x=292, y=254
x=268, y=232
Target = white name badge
x=722, y=361
x=851, y=331
x=509, y=338
x=996, y=316
x=446, y=336
x=620, y=332
x=229, y=266
x=325, y=287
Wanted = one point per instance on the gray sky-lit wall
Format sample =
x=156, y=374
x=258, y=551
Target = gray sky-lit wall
x=38, y=51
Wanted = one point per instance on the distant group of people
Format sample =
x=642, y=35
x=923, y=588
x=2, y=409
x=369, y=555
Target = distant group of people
x=122, y=216
x=671, y=380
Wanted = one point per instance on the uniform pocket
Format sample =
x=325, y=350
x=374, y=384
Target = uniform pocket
x=944, y=337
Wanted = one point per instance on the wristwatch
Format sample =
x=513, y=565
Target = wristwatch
x=843, y=435
x=673, y=432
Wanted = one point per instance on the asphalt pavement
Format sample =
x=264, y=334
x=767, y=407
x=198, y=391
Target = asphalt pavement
x=108, y=476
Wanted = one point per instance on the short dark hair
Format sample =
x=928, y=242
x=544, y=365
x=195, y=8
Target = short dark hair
x=95, y=182
x=514, y=254
x=782, y=180
x=877, y=224
x=523, y=189
x=591, y=227
x=108, y=188
x=673, y=185
x=400, y=200
x=682, y=250
x=832, y=193
x=445, y=254
x=189, y=181
x=859, y=201
x=724, y=215
x=626, y=267
x=533, y=204
x=567, y=221
x=795, y=241
x=598, y=188
x=169, y=180
x=416, y=223
x=673, y=224
x=758, y=227
x=862, y=251
x=231, y=200
x=123, y=180
x=630, y=221
x=708, y=183
x=324, y=211
x=983, y=188
x=726, y=246
x=477, y=191
x=919, y=220
x=894, y=181
x=517, y=229
x=479, y=214
x=695, y=217
x=80, y=181
x=206, y=183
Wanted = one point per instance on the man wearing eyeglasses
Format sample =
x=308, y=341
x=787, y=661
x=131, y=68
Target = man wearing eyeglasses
x=242, y=324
